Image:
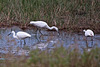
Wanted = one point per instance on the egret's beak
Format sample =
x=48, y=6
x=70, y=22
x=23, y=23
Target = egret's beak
x=9, y=34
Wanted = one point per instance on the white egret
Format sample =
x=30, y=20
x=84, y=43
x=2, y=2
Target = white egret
x=89, y=33
x=42, y=24
x=20, y=35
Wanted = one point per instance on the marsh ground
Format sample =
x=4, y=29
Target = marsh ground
x=70, y=16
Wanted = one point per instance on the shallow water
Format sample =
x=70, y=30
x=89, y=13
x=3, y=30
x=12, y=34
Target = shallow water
x=48, y=40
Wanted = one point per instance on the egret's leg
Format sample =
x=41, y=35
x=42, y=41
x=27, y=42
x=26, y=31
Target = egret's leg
x=91, y=38
x=37, y=31
x=58, y=34
x=91, y=41
x=37, y=36
x=20, y=43
x=86, y=43
x=24, y=42
x=29, y=40
x=40, y=31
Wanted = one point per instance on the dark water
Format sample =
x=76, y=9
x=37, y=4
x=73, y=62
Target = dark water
x=49, y=40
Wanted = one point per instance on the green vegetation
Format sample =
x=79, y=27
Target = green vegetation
x=70, y=14
x=62, y=13
x=58, y=57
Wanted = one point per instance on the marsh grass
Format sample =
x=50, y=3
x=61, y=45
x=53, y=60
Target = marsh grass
x=62, y=13
x=58, y=57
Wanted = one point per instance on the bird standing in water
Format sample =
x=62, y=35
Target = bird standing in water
x=20, y=35
x=89, y=33
x=42, y=24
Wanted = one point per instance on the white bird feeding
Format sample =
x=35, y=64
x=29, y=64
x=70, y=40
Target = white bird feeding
x=42, y=24
x=20, y=35
x=88, y=32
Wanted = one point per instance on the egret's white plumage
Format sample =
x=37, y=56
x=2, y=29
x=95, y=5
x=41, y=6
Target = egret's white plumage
x=88, y=32
x=43, y=24
x=20, y=35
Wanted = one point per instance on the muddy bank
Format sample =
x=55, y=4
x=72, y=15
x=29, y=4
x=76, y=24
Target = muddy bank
x=71, y=28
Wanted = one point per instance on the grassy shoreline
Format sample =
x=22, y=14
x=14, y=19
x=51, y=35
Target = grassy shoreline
x=69, y=28
x=65, y=14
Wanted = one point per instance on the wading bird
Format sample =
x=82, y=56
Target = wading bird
x=20, y=35
x=42, y=24
x=89, y=33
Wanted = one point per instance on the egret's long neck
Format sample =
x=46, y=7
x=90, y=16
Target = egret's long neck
x=14, y=35
x=50, y=28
